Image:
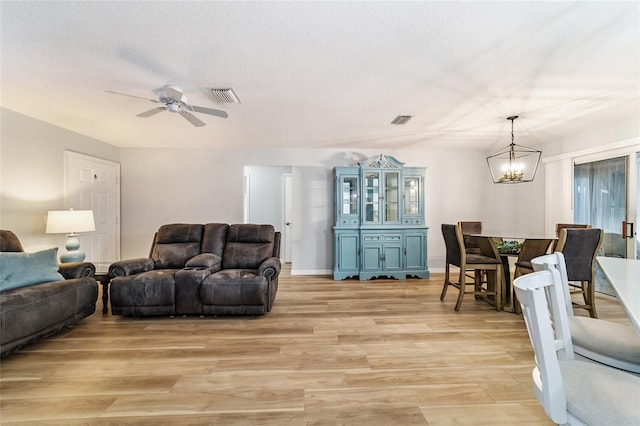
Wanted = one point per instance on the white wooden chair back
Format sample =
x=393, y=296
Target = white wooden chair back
x=550, y=336
x=555, y=260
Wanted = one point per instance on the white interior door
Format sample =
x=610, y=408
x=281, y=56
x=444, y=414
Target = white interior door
x=94, y=184
x=288, y=216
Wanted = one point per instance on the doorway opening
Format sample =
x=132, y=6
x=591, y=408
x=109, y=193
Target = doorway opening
x=268, y=199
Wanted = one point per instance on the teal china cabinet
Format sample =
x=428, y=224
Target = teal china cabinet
x=379, y=225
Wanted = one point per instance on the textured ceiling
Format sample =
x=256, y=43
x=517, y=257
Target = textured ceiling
x=324, y=74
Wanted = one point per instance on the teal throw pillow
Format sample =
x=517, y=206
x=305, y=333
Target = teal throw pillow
x=18, y=269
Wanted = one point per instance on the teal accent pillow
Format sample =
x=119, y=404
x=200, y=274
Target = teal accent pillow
x=18, y=269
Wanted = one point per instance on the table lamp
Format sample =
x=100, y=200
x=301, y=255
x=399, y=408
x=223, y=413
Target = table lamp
x=70, y=222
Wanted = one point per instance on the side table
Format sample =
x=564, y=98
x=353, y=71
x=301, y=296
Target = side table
x=103, y=279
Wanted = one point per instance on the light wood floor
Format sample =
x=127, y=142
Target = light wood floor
x=379, y=352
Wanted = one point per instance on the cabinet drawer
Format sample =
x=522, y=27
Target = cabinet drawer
x=412, y=221
x=381, y=238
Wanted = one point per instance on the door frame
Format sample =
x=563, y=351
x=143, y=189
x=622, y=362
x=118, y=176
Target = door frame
x=287, y=223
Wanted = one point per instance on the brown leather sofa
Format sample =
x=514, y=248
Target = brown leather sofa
x=29, y=314
x=210, y=269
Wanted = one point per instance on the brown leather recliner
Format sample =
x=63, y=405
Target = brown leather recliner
x=214, y=269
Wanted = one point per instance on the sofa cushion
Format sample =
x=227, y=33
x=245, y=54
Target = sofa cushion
x=19, y=269
x=248, y=246
x=176, y=244
x=153, y=288
x=234, y=287
x=214, y=238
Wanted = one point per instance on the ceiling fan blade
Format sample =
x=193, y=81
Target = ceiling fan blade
x=133, y=96
x=192, y=118
x=210, y=111
x=151, y=112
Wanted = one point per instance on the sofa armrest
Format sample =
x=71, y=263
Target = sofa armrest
x=270, y=268
x=131, y=267
x=76, y=270
x=210, y=261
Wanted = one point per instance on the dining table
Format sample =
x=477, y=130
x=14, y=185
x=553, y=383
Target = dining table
x=624, y=276
x=508, y=255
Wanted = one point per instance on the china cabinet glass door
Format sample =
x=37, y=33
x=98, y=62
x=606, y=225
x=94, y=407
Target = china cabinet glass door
x=411, y=196
x=372, y=197
x=391, y=197
x=350, y=196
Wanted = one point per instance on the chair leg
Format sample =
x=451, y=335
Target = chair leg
x=590, y=293
x=463, y=282
x=516, y=304
x=500, y=288
x=477, y=282
x=446, y=282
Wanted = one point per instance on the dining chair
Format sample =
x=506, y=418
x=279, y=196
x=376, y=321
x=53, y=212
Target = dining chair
x=570, y=391
x=580, y=248
x=605, y=342
x=560, y=226
x=613, y=245
x=470, y=242
x=487, y=264
x=531, y=247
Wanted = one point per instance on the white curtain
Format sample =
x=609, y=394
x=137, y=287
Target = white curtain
x=600, y=198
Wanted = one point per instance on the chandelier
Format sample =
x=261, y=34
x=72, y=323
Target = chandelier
x=514, y=163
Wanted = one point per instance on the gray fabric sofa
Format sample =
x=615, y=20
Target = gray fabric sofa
x=200, y=269
x=29, y=314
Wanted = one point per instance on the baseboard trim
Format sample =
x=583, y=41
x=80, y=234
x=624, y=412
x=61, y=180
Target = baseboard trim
x=311, y=272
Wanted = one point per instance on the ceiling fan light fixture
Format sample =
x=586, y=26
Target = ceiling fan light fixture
x=401, y=119
x=174, y=100
x=225, y=96
x=514, y=163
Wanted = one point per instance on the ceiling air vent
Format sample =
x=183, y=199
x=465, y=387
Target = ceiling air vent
x=401, y=119
x=225, y=96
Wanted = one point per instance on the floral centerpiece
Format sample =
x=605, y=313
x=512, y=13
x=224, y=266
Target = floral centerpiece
x=509, y=247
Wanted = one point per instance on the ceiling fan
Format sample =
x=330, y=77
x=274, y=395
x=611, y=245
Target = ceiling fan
x=175, y=101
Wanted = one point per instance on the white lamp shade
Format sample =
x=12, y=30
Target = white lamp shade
x=70, y=221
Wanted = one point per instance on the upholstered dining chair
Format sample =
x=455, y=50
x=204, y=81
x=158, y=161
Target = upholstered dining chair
x=571, y=391
x=561, y=226
x=605, y=342
x=580, y=248
x=531, y=247
x=487, y=264
x=468, y=229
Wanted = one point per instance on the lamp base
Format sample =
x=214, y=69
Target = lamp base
x=73, y=253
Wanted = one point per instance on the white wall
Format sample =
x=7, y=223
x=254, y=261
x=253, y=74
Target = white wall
x=161, y=186
x=204, y=185
x=32, y=174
